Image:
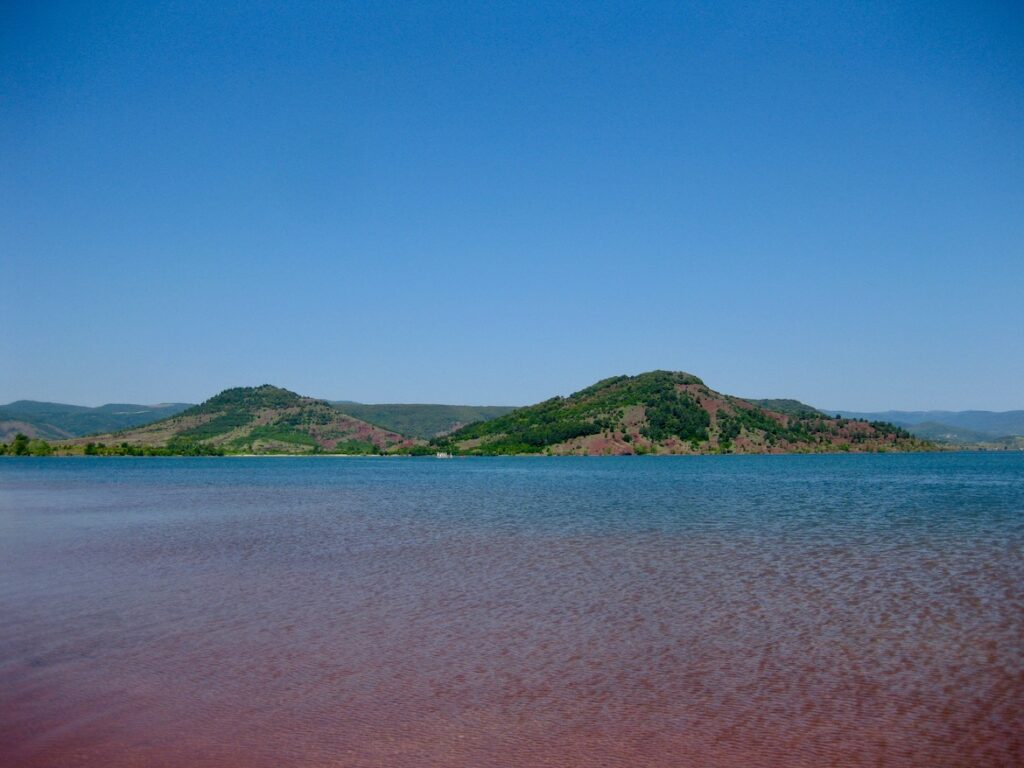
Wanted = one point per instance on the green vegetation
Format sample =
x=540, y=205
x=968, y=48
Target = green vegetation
x=263, y=419
x=247, y=400
x=591, y=411
x=355, y=448
x=886, y=427
x=174, y=447
x=39, y=447
x=655, y=413
x=236, y=408
x=787, y=406
x=666, y=412
x=530, y=430
x=673, y=415
x=21, y=445
x=756, y=420
x=57, y=421
x=416, y=449
x=278, y=432
x=422, y=421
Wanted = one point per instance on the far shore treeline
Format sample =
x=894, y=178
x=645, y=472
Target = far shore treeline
x=23, y=446
x=655, y=413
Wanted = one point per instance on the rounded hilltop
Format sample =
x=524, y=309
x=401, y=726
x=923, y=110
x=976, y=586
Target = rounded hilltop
x=670, y=412
x=254, y=420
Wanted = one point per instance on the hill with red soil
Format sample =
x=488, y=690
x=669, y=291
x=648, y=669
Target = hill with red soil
x=262, y=419
x=663, y=412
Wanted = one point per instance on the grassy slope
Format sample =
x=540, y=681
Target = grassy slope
x=786, y=406
x=666, y=412
x=262, y=419
x=421, y=420
x=59, y=421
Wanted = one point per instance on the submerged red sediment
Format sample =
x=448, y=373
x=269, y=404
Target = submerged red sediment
x=321, y=628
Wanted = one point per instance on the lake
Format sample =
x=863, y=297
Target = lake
x=854, y=610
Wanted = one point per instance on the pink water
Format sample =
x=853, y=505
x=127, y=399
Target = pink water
x=259, y=614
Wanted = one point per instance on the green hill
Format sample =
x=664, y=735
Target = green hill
x=668, y=412
x=57, y=421
x=263, y=419
x=421, y=420
x=787, y=406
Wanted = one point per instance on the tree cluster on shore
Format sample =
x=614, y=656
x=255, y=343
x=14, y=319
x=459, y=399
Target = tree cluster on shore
x=182, y=446
x=23, y=446
x=176, y=446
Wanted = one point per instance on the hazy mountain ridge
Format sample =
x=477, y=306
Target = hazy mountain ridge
x=61, y=421
x=959, y=427
x=670, y=412
x=58, y=421
x=421, y=420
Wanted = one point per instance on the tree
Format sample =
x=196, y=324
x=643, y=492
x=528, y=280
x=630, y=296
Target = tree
x=39, y=448
x=20, y=445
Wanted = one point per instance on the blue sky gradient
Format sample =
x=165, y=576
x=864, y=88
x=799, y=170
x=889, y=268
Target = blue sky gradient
x=495, y=203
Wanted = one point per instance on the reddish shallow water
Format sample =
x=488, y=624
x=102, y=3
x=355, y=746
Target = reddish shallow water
x=568, y=613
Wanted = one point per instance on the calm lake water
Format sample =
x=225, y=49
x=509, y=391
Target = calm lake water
x=693, y=611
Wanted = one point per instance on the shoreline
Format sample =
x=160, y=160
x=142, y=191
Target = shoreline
x=522, y=455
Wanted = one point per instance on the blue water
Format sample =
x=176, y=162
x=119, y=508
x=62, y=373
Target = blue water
x=790, y=610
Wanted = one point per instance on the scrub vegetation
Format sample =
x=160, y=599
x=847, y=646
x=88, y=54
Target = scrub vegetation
x=669, y=412
x=660, y=412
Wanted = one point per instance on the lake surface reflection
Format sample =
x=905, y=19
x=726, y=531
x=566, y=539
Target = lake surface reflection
x=704, y=611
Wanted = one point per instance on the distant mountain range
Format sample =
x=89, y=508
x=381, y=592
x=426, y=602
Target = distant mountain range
x=1004, y=428
x=990, y=429
x=57, y=421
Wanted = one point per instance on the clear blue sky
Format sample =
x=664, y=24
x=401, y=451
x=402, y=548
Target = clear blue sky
x=498, y=202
